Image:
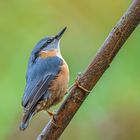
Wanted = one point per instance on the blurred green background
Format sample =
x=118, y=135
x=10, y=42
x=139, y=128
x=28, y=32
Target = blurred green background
x=112, y=111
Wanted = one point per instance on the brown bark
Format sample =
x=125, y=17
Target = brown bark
x=95, y=70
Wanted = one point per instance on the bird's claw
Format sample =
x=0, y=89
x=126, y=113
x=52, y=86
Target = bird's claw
x=77, y=84
x=53, y=118
x=79, y=75
x=51, y=114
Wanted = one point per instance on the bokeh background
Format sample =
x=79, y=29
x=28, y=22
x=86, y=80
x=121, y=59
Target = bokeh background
x=112, y=111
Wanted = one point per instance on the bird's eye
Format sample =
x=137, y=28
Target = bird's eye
x=49, y=41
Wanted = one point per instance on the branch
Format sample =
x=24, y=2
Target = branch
x=95, y=70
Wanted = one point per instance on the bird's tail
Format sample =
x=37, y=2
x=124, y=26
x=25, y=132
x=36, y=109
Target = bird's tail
x=26, y=119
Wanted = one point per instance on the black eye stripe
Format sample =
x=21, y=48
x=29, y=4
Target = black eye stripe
x=49, y=41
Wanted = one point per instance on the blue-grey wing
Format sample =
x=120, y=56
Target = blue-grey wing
x=39, y=76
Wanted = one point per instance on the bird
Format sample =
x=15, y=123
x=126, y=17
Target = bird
x=47, y=78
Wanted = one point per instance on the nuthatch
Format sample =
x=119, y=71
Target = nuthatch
x=46, y=79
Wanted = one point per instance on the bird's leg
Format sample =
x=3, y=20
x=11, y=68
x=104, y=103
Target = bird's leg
x=52, y=116
x=77, y=84
x=70, y=88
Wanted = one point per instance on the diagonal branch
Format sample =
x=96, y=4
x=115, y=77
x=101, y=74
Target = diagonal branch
x=95, y=70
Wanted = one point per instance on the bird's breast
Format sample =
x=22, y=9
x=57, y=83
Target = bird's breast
x=59, y=85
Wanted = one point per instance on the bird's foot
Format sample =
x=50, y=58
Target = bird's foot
x=52, y=115
x=77, y=84
x=70, y=88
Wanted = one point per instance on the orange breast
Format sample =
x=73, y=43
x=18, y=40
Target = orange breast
x=59, y=86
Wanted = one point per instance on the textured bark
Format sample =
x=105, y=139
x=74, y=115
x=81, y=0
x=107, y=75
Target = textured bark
x=95, y=70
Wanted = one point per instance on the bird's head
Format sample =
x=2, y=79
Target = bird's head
x=49, y=43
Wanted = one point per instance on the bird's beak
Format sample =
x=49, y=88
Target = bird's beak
x=59, y=35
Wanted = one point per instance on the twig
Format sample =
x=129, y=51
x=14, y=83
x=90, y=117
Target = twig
x=95, y=70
